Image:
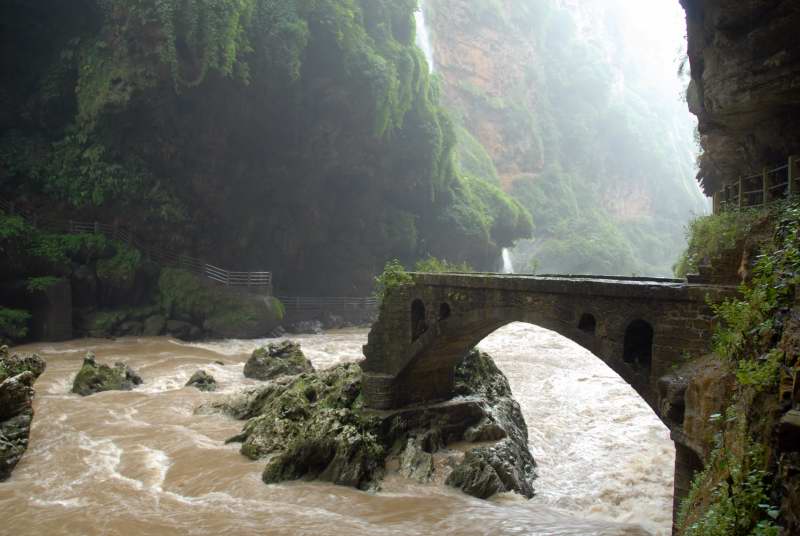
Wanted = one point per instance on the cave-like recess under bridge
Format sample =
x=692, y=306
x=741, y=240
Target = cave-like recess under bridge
x=640, y=327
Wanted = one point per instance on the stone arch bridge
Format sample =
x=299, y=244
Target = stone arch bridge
x=640, y=327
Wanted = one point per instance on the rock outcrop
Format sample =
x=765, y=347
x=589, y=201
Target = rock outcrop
x=277, y=359
x=315, y=426
x=17, y=374
x=202, y=381
x=745, y=90
x=96, y=377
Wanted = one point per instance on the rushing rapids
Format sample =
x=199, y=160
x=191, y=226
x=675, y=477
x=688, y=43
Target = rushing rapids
x=142, y=461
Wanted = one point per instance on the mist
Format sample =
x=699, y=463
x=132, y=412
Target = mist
x=607, y=146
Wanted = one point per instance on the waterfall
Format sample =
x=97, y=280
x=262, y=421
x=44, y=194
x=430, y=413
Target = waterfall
x=508, y=266
x=423, y=35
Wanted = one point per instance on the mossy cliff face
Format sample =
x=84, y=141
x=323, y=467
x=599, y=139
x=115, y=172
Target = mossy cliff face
x=745, y=63
x=303, y=137
x=17, y=375
x=315, y=426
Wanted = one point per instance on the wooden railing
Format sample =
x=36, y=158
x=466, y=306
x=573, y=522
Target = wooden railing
x=761, y=189
x=299, y=304
x=261, y=281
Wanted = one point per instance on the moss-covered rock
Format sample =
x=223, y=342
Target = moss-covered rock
x=94, y=378
x=277, y=359
x=222, y=312
x=315, y=426
x=202, y=381
x=17, y=375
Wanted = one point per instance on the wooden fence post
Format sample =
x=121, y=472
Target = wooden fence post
x=96, y=227
x=765, y=186
x=790, y=174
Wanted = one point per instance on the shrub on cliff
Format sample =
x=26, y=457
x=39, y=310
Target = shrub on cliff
x=711, y=235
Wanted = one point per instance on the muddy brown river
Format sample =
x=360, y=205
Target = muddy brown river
x=142, y=463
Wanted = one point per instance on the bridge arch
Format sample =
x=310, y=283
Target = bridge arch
x=427, y=371
x=639, y=327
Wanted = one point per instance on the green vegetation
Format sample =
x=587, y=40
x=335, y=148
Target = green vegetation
x=220, y=311
x=708, y=236
x=120, y=270
x=732, y=495
x=39, y=284
x=13, y=324
x=320, y=123
x=394, y=275
x=434, y=265
x=740, y=504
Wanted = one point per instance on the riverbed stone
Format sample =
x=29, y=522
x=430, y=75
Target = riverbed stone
x=17, y=375
x=94, y=377
x=277, y=359
x=202, y=381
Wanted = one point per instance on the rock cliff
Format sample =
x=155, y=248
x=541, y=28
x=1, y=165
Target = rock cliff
x=745, y=64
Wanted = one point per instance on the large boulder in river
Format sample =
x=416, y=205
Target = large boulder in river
x=202, y=381
x=17, y=374
x=94, y=377
x=277, y=359
x=315, y=426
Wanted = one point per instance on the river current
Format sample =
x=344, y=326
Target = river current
x=142, y=463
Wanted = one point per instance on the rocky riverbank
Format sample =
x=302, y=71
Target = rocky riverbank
x=314, y=426
x=17, y=374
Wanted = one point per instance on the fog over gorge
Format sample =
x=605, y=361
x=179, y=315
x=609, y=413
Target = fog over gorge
x=581, y=111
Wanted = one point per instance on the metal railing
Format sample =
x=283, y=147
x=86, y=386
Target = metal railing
x=761, y=189
x=256, y=280
x=305, y=303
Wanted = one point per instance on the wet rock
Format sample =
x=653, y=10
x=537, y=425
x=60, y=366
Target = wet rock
x=131, y=328
x=314, y=426
x=154, y=326
x=277, y=359
x=17, y=375
x=203, y=381
x=415, y=462
x=183, y=330
x=486, y=471
x=94, y=378
x=305, y=327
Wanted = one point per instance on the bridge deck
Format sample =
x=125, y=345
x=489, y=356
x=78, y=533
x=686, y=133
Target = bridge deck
x=615, y=286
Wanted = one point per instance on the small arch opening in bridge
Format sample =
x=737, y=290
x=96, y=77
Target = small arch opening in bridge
x=418, y=325
x=444, y=311
x=588, y=323
x=638, y=347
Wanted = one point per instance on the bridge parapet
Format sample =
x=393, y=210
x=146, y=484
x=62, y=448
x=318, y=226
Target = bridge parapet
x=640, y=327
